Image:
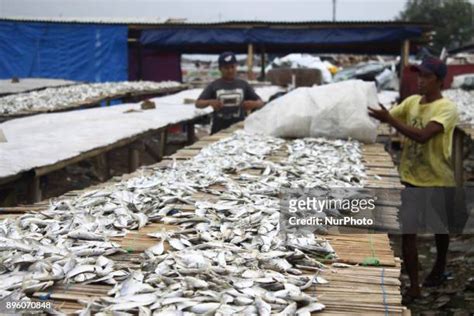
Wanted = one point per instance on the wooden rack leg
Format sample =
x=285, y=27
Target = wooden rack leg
x=163, y=139
x=102, y=166
x=190, y=133
x=133, y=157
x=34, y=189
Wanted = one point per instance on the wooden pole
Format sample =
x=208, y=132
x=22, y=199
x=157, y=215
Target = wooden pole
x=458, y=155
x=102, y=166
x=250, y=61
x=163, y=139
x=190, y=132
x=139, y=62
x=34, y=189
x=133, y=157
x=262, y=61
x=404, y=58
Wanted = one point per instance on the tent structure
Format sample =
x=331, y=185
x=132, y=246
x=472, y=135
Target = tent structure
x=98, y=51
x=280, y=37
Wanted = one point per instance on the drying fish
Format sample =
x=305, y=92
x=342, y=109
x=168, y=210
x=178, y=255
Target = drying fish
x=52, y=99
x=227, y=255
x=463, y=100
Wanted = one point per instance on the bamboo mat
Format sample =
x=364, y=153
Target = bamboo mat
x=353, y=290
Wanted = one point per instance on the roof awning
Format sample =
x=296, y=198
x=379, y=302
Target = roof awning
x=347, y=39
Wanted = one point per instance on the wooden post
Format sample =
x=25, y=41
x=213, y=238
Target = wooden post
x=190, y=132
x=34, y=189
x=262, y=61
x=139, y=62
x=250, y=62
x=404, y=58
x=163, y=139
x=133, y=157
x=458, y=155
x=102, y=166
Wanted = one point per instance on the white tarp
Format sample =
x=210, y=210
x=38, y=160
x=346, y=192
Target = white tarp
x=45, y=139
x=336, y=110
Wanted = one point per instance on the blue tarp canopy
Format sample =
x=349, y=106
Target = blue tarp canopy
x=82, y=52
x=344, y=39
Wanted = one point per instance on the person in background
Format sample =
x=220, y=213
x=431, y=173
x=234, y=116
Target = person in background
x=427, y=121
x=231, y=98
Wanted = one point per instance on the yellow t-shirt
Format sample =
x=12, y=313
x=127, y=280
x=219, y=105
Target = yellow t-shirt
x=428, y=164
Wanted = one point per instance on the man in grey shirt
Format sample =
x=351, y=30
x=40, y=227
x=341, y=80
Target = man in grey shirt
x=230, y=97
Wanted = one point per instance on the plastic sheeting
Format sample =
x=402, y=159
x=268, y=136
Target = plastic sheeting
x=175, y=37
x=46, y=139
x=337, y=110
x=93, y=53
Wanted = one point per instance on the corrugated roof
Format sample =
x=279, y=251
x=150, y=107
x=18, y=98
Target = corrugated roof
x=184, y=23
x=94, y=20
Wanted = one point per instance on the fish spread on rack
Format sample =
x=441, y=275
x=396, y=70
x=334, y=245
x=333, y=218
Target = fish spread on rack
x=52, y=99
x=228, y=255
x=464, y=100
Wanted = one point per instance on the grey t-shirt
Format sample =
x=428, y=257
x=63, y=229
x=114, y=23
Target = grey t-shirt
x=232, y=94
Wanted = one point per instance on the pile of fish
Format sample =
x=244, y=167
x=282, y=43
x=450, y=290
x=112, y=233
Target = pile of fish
x=465, y=103
x=228, y=255
x=52, y=99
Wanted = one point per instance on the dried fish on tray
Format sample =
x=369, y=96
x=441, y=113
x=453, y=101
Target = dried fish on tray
x=229, y=255
x=465, y=103
x=52, y=99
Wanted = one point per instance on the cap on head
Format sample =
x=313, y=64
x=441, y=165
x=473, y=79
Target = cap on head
x=432, y=65
x=227, y=58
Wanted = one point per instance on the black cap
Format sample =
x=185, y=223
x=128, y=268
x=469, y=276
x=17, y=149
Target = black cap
x=227, y=58
x=432, y=65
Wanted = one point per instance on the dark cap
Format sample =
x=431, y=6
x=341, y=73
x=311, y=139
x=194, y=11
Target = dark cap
x=227, y=58
x=432, y=65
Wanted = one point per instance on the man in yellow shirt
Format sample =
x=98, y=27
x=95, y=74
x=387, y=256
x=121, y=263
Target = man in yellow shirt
x=427, y=121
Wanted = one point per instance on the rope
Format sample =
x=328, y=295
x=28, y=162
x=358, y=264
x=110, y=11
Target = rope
x=384, y=295
x=373, y=260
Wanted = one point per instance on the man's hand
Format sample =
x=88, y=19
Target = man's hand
x=250, y=105
x=419, y=135
x=383, y=115
x=215, y=104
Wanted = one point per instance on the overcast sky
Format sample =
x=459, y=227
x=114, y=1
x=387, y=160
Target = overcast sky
x=210, y=10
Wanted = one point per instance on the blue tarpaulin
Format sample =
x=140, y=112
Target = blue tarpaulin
x=181, y=38
x=83, y=52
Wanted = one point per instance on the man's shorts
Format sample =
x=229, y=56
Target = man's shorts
x=432, y=210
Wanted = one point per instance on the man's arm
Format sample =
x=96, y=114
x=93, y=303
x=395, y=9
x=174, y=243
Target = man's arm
x=419, y=135
x=208, y=98
x=252, y=99
x=216, y=104
x=252, y=104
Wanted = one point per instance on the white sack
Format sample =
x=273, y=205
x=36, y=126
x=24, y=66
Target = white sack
x=336, y=110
